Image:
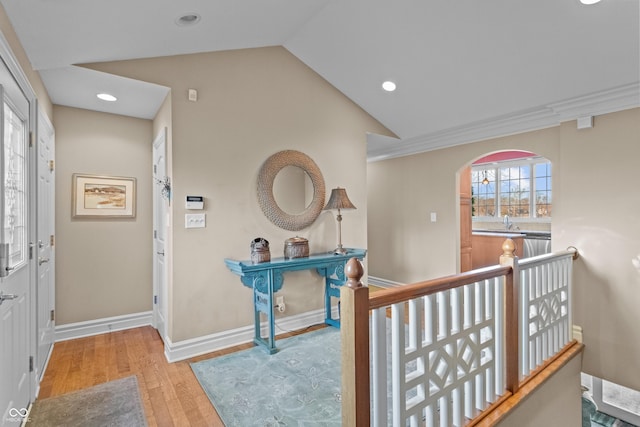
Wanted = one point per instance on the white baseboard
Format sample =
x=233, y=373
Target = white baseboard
x=383, y=283
x=192, y=347
x=186, y=349
x=40, y=375
x=101, y=326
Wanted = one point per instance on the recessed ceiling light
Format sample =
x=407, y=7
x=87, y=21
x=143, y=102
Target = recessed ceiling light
x=389, y=86
x=589, y=1
x=107, y=97
x=188, y=19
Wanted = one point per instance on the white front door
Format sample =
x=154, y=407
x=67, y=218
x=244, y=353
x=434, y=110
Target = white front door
x=45, y=291
x=15, y=328
x=160, y=209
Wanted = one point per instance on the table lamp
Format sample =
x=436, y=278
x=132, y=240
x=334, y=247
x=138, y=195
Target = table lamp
x=339, y=200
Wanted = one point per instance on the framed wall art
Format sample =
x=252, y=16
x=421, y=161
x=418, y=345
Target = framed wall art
x=96, y=196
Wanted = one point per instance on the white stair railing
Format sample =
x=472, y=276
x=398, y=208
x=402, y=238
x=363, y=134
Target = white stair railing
x=444, y=350
x=446, y=353
x=544, y=307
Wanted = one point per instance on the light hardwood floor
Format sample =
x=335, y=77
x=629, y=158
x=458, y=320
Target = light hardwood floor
x=170, y=392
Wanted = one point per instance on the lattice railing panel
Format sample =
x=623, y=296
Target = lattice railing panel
x=446, y=353
x=545, y=310
x=443, y=351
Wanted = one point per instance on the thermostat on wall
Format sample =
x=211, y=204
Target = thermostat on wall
x=195, y=202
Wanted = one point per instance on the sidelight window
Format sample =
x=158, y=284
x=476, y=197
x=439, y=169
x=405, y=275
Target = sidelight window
x=14, y=201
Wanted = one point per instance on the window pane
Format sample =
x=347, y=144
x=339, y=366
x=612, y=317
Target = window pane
x=483, y=194
x=543, y=190
x=515, y=195
x=543, y=169
x=520, y=190
x=14, y=184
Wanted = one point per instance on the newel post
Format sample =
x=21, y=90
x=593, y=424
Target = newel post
x=512, y=286
x=354, y=333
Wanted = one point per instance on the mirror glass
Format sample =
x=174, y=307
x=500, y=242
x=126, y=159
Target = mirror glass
x=292, y=190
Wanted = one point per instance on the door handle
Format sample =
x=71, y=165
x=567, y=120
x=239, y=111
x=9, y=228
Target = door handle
x=6, y=297
x=42, y=260
x=160, y=253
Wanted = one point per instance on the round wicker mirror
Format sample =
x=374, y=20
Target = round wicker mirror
x=267, y=201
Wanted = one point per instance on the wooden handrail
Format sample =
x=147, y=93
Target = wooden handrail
x=407, y=292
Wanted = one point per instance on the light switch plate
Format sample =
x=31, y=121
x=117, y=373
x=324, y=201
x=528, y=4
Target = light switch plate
x=195, y=221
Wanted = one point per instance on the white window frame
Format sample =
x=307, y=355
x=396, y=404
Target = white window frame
x=594, y=386
x=496, y=166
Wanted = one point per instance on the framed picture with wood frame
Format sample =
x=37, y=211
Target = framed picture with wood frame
x=96, y=197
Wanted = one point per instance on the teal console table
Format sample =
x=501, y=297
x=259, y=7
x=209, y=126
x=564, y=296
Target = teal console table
x=266, y=279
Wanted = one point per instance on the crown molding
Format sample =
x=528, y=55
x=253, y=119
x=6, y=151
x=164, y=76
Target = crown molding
x=550, y=115
x=604, y=102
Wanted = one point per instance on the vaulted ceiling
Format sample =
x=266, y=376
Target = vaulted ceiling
x=465, y=69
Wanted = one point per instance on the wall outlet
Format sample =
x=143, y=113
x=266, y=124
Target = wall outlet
x=280, y=307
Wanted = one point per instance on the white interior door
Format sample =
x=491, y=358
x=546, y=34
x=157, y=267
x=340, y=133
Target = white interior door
x=16, y=332
x=45, y=287
x=160, y=211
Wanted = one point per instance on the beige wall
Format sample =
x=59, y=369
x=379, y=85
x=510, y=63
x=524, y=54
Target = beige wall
x=596, y=205
x=598, y=211
x=251, y=104
x=557, y=402
x=103, y=267
x=405, y=246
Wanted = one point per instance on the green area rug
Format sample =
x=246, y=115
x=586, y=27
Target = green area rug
x=300, y=385
x=603, y=419
x=115, y=403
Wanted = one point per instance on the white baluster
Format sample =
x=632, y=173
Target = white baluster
x=445, y=409
x=430, y=319
x=495, y=376
x=397, y=364
x=523, y=333
x=379, y=366
x=456, y=407
x=469, y=398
